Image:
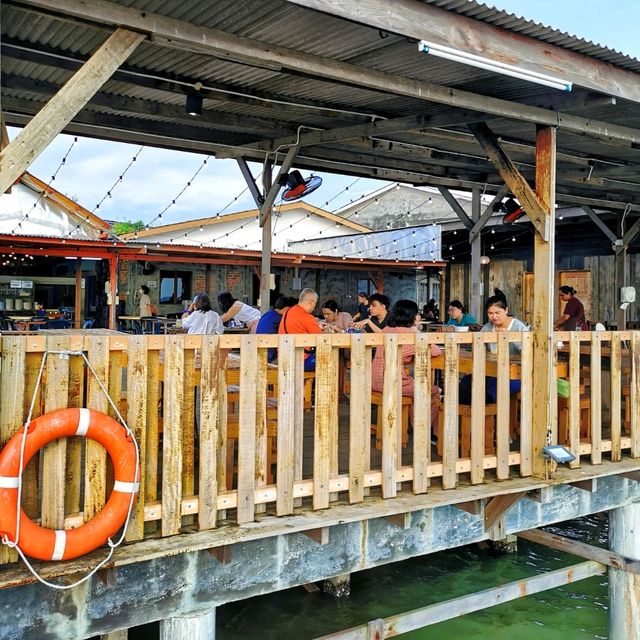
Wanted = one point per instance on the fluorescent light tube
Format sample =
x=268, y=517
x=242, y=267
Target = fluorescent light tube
x=492, y=65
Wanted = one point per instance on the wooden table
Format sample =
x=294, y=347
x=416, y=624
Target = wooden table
x=465, y=365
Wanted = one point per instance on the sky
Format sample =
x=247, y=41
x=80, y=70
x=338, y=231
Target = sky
x=159, y=177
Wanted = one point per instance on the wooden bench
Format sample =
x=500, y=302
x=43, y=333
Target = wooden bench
x=376, y=429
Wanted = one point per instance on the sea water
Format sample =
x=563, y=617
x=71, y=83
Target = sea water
x=575, y=612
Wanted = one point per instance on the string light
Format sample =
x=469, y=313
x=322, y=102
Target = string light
x=121, y=176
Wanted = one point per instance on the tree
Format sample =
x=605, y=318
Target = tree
x=120, y=228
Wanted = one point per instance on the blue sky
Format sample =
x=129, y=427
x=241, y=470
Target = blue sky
x=157, y=176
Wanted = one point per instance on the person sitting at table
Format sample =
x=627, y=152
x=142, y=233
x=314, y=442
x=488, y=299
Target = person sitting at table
x=335, y=319
x=458, y=315
x=378, y=313
x=201, y=318
x=298, y=319
x=430, y=311
x=499, y=320
x=270, y=321
x=404, y=318
x=238, y=311
x=572, y=317
x=363, y=306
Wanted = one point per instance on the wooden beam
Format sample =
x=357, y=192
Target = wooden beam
x=407, y=621
x=475, y=276
x=59, y=111
x=421, y=21
x=223, y=554
x=400, y=520
x=457, y=208
x=542, y=495
x=251, y=183
x=601, y=225
x=321, y=535
x=185, y=36
x=634, y=476
x=474, y=507
x=544, y=426
x=581, y=549
x=498, y=506
x=512, y=177
x=589, y=485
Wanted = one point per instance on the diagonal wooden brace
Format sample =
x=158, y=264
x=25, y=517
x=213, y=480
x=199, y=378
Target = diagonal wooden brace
x=512, y=177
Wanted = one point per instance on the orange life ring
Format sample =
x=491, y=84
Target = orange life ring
x=47, y=544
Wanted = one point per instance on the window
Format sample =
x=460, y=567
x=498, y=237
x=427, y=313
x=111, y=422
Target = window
x=175, y=287
x=366, y=285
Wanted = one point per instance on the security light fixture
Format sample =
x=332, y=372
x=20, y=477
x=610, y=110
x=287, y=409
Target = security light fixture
x=473, y=60
x=194, y=104
x=558, y=453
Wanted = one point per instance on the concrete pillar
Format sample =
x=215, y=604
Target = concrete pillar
x=196, y=626
x=624, y=587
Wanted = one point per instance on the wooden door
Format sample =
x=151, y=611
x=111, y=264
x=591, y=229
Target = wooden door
x=581, y=282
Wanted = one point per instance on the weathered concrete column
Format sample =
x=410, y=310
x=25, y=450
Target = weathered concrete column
x=624, y=586
x=196, y=626
x=121, y=634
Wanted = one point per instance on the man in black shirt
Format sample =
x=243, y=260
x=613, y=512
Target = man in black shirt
x=378, y=309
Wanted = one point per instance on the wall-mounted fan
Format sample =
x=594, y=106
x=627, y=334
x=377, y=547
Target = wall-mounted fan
x=297, y=186
x=512, y=211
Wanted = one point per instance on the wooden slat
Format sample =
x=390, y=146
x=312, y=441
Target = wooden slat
x=172, y=437
x=615, y=408
x=209, y=427
x=188, y=424
x=150, y=469
x=261, y=424
x=12, y=398
x=298, y=419
x=115, y=381
x=136, y=420
x=596, y=398
x=498, y=506
x=55, y=454
x=334, y=422
x=503, y=401
x=30, y=476
x=95, y=464
x=391, y=418
x=286, y=425
x=422, y=416
x=247, y=429
x=526, y=406
x=75, y=446
x=450, y=433
x=322, y=428
x=478, y=397
x=359, y=417
x=574, y=398
x=634, y=399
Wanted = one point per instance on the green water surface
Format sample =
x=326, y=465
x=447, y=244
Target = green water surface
x=574, y=612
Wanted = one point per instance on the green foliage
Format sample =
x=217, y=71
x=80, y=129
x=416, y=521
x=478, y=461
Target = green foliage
x=120, y=228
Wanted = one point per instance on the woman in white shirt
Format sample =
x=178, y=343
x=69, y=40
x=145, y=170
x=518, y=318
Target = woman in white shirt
x=201, y=318
x=239, y=311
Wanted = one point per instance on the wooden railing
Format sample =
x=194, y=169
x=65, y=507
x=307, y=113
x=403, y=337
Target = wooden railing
x=224, y=436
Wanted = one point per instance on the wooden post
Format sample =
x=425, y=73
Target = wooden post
x=544, y=379
x=477, y=288
x=266, y=224
x=113, y=291
x=620, y=280
x=196, y=626
x=77, y=305
x=624, y=586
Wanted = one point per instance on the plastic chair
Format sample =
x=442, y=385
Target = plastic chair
x=88, y=323
x=58, y=324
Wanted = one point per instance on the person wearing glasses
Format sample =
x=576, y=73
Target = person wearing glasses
x=459, y=316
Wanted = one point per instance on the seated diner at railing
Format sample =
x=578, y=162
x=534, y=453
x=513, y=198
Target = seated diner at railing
x=499, y=320
x=270, y=321
x=335, y=320
x=200, y=318
x=298, y=319
x=379, y=305
x=238, y=311
x=404, y=318
x=459, y=316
